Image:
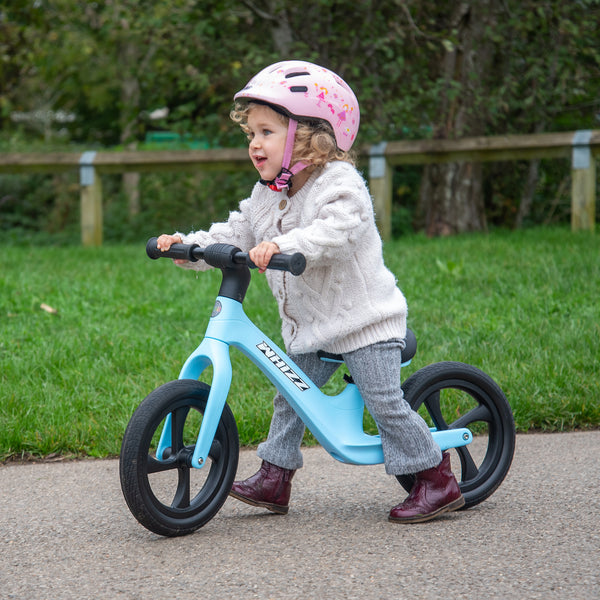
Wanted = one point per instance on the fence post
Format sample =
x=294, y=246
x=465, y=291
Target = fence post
x=583, y=183
x=380, y=184
x=91, y=201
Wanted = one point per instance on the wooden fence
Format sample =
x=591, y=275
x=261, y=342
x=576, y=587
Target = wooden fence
x=581, y=147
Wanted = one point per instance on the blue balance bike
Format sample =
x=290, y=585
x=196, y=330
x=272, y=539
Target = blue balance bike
x=179, y=454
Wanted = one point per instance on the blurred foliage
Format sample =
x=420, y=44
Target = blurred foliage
x=94, y=74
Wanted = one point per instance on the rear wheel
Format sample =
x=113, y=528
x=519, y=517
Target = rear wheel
x=452, y=395
x=168, y=496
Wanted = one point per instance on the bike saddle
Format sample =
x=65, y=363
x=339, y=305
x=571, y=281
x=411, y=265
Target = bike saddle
x=410, y=349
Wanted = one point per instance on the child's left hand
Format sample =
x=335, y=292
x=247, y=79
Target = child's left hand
x=261, y=255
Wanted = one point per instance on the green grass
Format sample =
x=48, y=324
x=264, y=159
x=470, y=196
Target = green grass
x=522, y=306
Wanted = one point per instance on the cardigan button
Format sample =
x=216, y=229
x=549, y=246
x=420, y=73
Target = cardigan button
x=282, y=204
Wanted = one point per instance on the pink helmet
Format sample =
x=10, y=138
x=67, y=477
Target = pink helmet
x=305, y=90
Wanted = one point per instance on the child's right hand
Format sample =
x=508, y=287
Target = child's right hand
x=165, y=241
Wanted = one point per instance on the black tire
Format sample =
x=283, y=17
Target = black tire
x=451, y=395
x=170, y=497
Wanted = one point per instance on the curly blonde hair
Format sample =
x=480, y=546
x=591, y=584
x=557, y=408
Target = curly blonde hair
x=315, y=141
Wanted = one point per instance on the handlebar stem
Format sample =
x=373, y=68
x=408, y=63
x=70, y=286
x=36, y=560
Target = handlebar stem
x=236, y=276
x=235, y=282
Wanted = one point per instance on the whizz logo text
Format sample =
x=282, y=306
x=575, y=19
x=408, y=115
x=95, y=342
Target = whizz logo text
x=282, y=366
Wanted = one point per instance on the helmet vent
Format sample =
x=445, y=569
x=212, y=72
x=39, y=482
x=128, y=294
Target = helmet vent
x=298, y=88
x=296, y=74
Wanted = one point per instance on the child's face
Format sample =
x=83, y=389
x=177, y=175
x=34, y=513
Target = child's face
x=267, y=135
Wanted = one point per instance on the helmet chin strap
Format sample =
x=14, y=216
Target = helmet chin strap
x=282, y=181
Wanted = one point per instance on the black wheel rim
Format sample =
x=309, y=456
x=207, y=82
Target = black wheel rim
x=485, y=411
x=187, y=500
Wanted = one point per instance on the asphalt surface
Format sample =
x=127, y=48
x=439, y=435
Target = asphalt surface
x=66, y=533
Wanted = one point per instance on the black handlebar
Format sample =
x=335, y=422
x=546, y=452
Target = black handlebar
x=225, y=256
x=177, y=251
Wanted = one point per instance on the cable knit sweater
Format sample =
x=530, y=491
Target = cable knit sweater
x=346, y=298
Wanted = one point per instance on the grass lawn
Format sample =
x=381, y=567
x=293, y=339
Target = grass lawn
x=522, y=306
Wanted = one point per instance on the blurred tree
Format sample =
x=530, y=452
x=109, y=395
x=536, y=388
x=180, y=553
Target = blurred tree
x=451, y=198
x=419, y=67
x=20, y=79
x=549, y=61
x=506, y=67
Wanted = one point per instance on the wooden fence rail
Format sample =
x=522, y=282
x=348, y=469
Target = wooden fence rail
x=581, y=147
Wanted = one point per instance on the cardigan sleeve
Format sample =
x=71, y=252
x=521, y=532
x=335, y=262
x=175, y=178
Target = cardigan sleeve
x=237, y=230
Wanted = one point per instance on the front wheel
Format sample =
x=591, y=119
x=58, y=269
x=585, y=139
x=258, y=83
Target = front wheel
x=168, y=496
x=452, y=395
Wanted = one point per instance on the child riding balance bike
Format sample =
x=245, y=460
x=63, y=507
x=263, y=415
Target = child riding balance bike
x=302, y=121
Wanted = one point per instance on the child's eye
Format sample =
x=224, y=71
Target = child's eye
x=267, y=132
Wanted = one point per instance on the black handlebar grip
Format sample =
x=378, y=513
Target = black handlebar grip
x=293, y=263
x=178, y=251
x=151, y=250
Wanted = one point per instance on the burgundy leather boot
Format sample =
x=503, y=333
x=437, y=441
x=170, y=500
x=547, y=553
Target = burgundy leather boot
x=435, y=492
x=269, y=488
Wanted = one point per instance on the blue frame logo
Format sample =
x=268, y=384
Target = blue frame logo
x=283, y=366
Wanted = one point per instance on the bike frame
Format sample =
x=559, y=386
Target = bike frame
x=336, y=421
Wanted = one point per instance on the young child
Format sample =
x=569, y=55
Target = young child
x=301, y=121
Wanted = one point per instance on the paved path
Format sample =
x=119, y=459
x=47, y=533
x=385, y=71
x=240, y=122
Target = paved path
x=65, y=533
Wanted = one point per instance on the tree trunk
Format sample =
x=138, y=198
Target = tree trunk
x=130, y=103
x=277, y=21
x=450, y=199
x=455, y=198
x=528, y=192
x=131, y=187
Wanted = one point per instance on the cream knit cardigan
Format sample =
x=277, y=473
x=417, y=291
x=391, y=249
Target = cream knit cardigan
x=346, y=298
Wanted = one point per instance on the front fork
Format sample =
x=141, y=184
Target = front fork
x=214, y=352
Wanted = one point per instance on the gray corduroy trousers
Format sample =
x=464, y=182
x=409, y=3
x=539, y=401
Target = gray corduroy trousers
x=408, y=446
